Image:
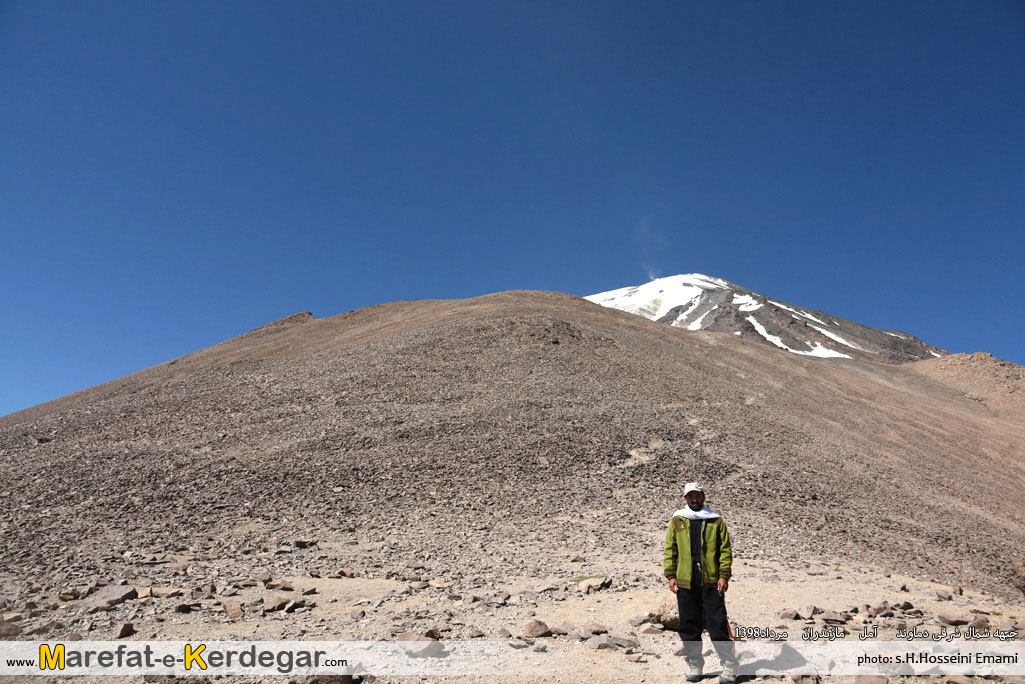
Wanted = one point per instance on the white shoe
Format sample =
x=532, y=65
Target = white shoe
x=729, y=674
x=694, y=672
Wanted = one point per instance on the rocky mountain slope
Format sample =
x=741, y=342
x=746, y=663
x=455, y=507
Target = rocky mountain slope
x=699, y=302
x=484, y=446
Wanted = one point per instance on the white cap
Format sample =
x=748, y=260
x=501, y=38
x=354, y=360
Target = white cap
x=692, y=487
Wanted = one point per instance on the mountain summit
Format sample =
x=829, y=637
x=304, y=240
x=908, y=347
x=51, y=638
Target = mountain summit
x=699, y=302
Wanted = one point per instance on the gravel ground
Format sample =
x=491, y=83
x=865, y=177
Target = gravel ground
x=416, y=455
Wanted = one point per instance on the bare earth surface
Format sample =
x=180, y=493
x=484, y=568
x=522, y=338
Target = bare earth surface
x=459, y=466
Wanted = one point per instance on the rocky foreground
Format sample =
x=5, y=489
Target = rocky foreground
x=455, y=468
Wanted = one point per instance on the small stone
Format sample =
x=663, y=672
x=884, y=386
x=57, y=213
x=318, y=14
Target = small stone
x=593, y=628
x=652, y=629
x=233, y=609
x=634, y=657
x=503, y=632
x=125, y=629
x=790, y=615
x=540, y=648
x=944, y=596
x=956, y=679
x=516, y=643
x=358, y=614
x=956, y=590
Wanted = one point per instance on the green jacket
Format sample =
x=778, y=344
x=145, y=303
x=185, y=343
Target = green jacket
x=716, y=552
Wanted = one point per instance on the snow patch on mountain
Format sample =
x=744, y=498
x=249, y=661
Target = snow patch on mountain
x=816, y=348
x=747, y=302
x=799, y=313
x=833, y=336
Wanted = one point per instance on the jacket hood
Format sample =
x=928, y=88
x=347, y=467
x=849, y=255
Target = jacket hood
x=705, y=513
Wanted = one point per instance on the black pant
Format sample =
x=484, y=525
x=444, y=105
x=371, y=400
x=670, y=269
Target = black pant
x=703, y=607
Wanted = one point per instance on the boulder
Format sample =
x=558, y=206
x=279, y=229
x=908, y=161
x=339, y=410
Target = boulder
x=625, y=642
x=420, y=646
x=233, y=609
x=109, y=596
x=1018, y=576
x=951, y=620
x=593, y=584
x=600, y=642
x=276, y=603
x=563, y=628
x=536, y=628
x=666, y=614
x=8, y=629
x=832, y=617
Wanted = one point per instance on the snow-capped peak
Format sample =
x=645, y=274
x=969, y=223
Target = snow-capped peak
x=699, y=302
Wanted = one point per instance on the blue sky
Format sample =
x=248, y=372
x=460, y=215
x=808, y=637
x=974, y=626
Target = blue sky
x=173, y=174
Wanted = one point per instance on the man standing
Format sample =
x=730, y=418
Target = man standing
x=698, y=560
